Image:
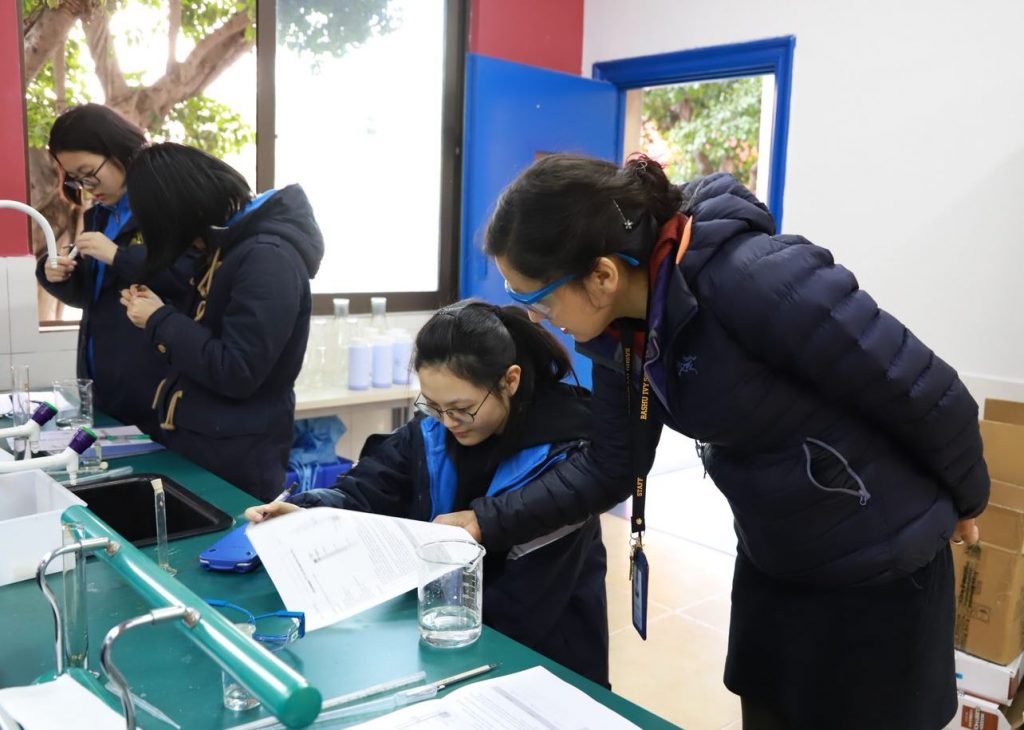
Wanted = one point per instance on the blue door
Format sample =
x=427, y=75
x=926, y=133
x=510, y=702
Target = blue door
x=514, y=114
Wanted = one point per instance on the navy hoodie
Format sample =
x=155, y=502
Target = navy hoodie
x=234, y=350
x=847, y=449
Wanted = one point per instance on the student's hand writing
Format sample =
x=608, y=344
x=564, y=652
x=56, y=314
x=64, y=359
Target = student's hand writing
x=140, y=303
x=271, y=509
x=966, y=531
x=465, y=519
x=98, y=246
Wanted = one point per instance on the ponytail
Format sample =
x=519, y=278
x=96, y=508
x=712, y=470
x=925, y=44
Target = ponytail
x=565, y=211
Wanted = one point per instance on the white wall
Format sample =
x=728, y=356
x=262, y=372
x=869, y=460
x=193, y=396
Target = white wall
x=49, y=355
x=905, y=154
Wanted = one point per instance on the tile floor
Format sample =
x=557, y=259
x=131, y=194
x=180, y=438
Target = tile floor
x=677, y=672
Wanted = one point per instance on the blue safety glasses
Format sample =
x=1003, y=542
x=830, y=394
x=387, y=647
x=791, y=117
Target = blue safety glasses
x=289, y=626
x=534, y=301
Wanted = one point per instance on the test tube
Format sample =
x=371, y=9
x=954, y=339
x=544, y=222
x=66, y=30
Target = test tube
x=75, y=614
x=160, y=507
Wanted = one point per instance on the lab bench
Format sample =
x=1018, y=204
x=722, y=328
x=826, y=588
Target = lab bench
x=175, y=676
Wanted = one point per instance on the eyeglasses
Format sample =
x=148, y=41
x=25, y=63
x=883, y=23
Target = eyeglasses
x=296, y=624
x=461, y=416
x=534, y=300
x=85, y=182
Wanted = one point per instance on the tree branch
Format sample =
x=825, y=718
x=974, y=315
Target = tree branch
x=60, y=73
x=173, y=28
x=101, y=48
x=210, y=57
x=47, y=30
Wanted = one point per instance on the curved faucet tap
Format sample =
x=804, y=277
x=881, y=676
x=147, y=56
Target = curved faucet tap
x=51, y=242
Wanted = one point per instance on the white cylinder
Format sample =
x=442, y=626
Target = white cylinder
x=382, y=361
x=401, y=355
x=358, y=364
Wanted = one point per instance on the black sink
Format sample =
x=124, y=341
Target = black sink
x=127, y=506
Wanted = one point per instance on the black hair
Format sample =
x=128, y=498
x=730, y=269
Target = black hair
x=565, y=211
x=478, y=342
x=177, y=193
x=98, y=129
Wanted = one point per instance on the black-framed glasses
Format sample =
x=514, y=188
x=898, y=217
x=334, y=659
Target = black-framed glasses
x=85, y=182
x=265, y=630
x=462, y=416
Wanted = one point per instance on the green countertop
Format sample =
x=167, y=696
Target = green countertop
x=175, y=676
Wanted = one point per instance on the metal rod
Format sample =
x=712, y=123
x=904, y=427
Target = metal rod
x=190, y=617
x=282, y=690
x=78, y=549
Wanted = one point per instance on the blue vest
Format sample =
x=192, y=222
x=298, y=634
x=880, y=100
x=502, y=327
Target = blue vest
x=513, y=473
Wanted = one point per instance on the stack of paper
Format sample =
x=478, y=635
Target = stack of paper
x=114, y=441
x=57, y=705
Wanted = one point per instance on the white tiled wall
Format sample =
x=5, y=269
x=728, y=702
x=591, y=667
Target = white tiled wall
x=49, y=355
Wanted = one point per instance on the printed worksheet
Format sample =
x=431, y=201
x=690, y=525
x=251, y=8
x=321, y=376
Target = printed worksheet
x=335, y=563
x=533, y=698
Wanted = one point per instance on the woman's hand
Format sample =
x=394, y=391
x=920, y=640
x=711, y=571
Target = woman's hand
x=271, y=509
x=966, y=531
x=97, y=246
x=61, y=272
x=465, y=519
x=140, y=303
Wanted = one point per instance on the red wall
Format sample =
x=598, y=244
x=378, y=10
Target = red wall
x=13, y=178
x=546, y=33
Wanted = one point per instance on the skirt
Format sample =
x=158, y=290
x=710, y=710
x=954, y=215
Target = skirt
x=854, y=658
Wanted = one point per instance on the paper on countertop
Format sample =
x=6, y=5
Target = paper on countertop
x=114, y=441
x=36, y=396
x=532, y=698
x=334, y=563
x=58, y=705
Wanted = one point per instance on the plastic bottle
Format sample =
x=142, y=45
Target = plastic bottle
x=401, y=354
x=382, y=361
x=358, y=364
x=342, y=335
x=379, y=313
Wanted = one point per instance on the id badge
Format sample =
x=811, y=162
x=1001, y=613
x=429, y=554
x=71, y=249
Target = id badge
x=639, y=582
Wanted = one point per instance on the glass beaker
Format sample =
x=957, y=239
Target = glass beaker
x=450, y=594
x=73, y=398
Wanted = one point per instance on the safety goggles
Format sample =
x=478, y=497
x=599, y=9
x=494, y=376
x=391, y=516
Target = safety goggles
x=534, y=301
x=275, y=629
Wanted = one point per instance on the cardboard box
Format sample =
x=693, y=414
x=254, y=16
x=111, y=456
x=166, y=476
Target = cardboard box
x=31, y=504
x=974, y=713
x=1004, y=411
x=1004, y=451
x=994, y=682
x=990, y=576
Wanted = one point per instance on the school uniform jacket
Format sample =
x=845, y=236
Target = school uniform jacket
x=548, y=594
x=234, y=350
x=123, y=367
x=847, y=449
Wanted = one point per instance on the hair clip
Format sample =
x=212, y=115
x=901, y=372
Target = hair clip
x=626, y=223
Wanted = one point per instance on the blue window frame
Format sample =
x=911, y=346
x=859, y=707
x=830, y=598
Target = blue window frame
x=770, y=56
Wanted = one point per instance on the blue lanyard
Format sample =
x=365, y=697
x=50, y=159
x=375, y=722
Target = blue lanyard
x=120, y=215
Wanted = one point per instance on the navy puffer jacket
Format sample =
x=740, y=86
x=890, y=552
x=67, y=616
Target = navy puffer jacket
x=847, y=449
